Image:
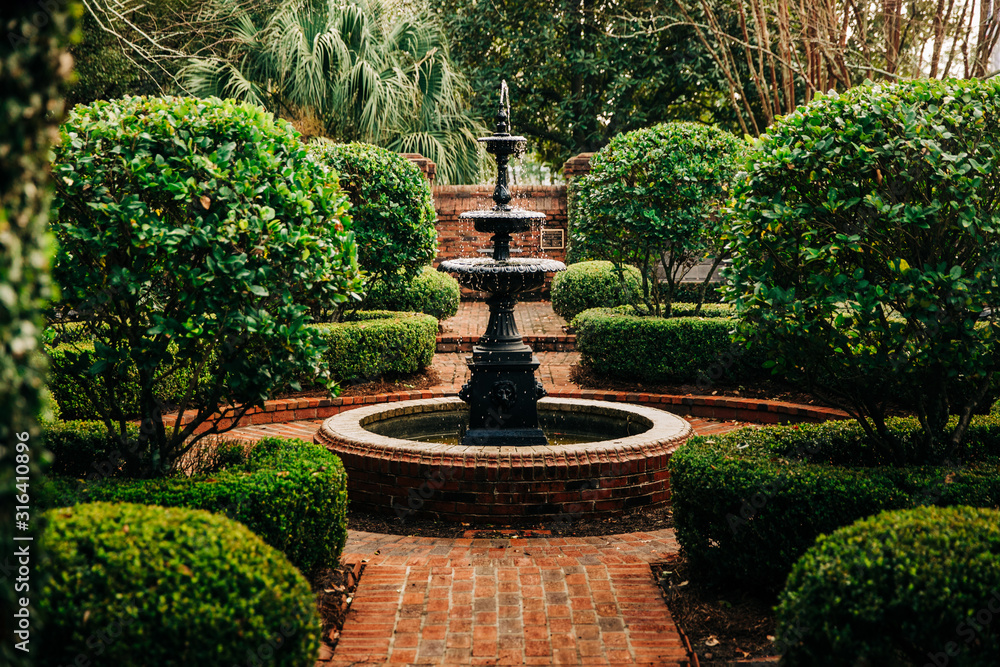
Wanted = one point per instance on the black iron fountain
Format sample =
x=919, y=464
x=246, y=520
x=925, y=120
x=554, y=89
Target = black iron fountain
x=502, y=393
x=491, y=461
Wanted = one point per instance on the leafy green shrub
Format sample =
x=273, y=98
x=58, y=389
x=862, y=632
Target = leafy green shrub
x=618, y=343
x=688, y=292
x=139, y=585
x=71, y=360
x=918, y=586
x=33, y=74
x=651, y=199
x=596, y=284
x=749, y=503
x=291, y=493
x=431, y=292
x=82, y=448
x=391, y=207
x=192, y=234
x=867, y=248
x=378, y=342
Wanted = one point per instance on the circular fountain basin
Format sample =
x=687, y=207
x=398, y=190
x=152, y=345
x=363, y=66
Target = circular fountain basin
x=390, y=470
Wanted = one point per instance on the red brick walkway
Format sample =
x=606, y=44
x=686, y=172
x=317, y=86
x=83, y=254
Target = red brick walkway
x=538, y=601
x=533, y=318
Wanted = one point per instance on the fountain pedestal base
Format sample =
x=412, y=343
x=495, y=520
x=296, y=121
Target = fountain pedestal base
x=502, y=395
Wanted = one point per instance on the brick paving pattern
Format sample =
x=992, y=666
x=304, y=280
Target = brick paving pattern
x=533, y=318
x=516, y=601
x=538, y=601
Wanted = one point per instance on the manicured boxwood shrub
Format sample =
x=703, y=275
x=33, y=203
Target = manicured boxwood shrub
x=374, y=343
x=618, y=343
x=688, y=292
x=431, y=292
x=141, y=585
x=391, y=207
x=595, y=284
x=748, y=504
x=912, y=587
x=291, y=493
x=71, y=359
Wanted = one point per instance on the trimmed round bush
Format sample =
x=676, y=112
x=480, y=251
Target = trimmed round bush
x=866, y=240
x=291, y=493
x=652, y=199
x=431, y=292
x=375, y=343
x=141, y=585
x=620, y=344
x=749, y=503
x=912, y=587
x=194, y=234
x=595, y=284
x=391, y=207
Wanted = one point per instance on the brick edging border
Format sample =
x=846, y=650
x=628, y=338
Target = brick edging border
x=722, y=408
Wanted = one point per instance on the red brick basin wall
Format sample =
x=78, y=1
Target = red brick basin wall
x=509, y=485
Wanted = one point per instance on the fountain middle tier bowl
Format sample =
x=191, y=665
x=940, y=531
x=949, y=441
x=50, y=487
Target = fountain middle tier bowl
x=392, y=470
x=512, y=276
x=499, y=221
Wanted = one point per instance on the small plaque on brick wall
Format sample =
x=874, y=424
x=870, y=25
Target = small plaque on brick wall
x=553, y=239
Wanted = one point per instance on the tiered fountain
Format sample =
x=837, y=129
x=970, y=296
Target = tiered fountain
x=503, y=392
x=406, y=457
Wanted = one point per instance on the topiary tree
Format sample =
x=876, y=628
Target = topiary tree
x=192, y=235
x=147, y=585
x=910, y=587
x=867, y=250
x=391, y=207
x=651, y=200
x=34, y=67
x=594, y=284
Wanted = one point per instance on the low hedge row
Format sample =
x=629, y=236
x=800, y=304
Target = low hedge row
x=291, y=493
x=594, y=284
x=431, y=292
x=618, y=343
x=374, y=343
x=138, y=585
x=71, y=360
x=749, y=503
x=917, y=586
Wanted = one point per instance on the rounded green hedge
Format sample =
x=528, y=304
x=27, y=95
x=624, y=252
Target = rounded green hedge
x=291, y=493
x=431, y=292
x=391, y=207
x=749, y=503
x=595, y=284
x=618, y=343
x=71, y=359
x=374, y=343
x=917, y=586
x=138, y=585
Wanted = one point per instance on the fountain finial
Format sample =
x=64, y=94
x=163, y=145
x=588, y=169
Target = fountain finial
x=503, y=114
